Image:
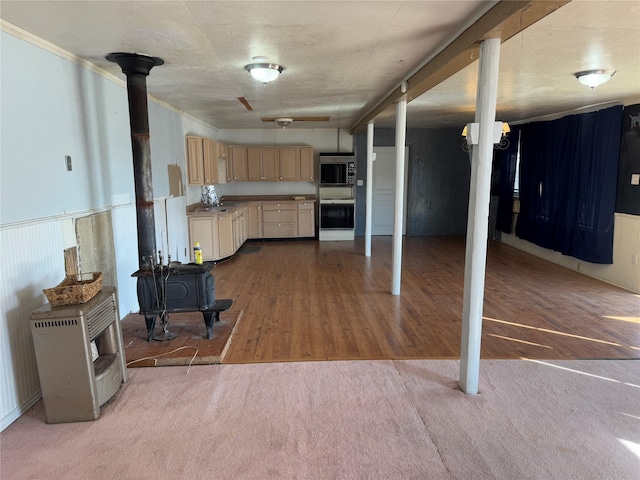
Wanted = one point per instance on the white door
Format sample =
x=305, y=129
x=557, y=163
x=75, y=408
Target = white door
x=384, y=190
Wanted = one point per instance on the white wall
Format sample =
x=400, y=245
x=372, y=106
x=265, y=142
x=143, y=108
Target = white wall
x=52, y=107
x=623, y=272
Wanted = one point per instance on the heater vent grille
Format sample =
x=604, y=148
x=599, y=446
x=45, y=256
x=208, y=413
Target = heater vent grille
x=101, y=318
x=56, y=323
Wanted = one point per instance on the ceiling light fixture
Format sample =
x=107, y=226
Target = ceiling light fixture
x=264, y=72
x=594, y=78
x=284, y=122
x=471, y=132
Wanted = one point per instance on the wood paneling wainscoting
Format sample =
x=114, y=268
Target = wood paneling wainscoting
x=309, y=300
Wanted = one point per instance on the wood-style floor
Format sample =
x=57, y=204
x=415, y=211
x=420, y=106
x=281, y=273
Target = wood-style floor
x=310, y=300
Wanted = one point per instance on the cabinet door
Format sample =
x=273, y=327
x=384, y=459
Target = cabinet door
x=254, y=220
x=307, y=168
x=210, y=161
x=225, y=235
x=289, y=159
x=238, y=232
x=270, y=163
x=306, y=220
x=239, y=164
x=205, y=231
x=254, y=164
x=195, y=161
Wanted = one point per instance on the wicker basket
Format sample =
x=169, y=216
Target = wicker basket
x=75, y=289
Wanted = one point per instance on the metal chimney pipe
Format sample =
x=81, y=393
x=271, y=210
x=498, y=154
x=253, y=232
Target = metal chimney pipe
x=136, y=67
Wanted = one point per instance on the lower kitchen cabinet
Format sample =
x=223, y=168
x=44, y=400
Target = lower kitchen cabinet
x=254, y=220
x=306, y=220
x=239, y=231
x=225, y=236
x=279, y=220
x=205, y=231
x=222, y=234
x=215, y=234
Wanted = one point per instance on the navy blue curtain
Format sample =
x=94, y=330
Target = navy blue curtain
x=508, y=160
x=568, y=176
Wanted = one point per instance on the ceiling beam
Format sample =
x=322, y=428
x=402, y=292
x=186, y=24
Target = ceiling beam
x=504, y=20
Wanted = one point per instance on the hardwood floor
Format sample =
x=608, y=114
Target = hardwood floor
x=310, y=300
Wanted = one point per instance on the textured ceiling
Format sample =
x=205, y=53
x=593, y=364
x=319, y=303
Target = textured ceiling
x=341, y=58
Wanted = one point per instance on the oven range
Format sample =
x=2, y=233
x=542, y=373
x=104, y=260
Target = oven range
x=337, y=218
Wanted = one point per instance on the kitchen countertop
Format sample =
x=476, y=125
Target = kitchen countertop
x=268, y=198
x=231, y=203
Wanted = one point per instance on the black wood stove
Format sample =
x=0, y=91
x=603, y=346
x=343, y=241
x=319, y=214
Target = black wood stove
x=178, y=288
x=161, y=289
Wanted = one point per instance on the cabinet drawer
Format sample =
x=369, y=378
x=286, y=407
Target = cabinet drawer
x=278, y=216
x=278, y=230
x=279, y=206
x=305, y=206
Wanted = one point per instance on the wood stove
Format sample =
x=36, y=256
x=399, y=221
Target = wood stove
x=177, y=288
x=161, y=289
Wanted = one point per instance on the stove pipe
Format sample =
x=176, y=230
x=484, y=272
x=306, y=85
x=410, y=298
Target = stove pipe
x=136, y=67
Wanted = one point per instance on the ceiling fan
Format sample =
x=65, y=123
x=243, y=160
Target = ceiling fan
x=284, y=122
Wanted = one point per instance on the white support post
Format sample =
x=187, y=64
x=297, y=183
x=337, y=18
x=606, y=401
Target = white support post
x=478, y=216
x=369, y=190
x=401, y=127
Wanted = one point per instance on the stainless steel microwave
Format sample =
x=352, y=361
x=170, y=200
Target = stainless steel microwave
x=337, y=169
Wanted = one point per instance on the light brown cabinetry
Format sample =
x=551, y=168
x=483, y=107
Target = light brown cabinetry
x=205, y=230
x=204, y=163
x=215, y=234
x=307, y=167
x=306, y=220
x=254, y=220
x=225, y=235
x=289, y=163
x=239, y=231
x=239, y=165
x=262, y=164
x=195, y=161
x=279, y=220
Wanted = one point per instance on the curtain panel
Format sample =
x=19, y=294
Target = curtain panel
x=508, y=159
x=568, y=176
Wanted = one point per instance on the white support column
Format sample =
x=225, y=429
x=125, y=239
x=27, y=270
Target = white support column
x=369, y=190
x=401, y=127
x=477, y=221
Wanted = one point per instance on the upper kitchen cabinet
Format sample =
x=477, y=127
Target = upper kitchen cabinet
x=239, y=166
x=205, y=167
x=262, y=164
x=307, y=167
x=289, y=163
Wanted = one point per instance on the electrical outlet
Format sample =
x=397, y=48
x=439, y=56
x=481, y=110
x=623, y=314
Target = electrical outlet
x=635, y=179
x=634, y=259
x=360, y=183
x=67, y=159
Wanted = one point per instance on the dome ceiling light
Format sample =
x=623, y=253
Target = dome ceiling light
x=284, y=122
x=263, y=71
x=594, y=78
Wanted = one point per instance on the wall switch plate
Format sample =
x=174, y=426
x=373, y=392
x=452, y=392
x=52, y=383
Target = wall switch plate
x=635, y=179
x=67, y=159
x=360, y=183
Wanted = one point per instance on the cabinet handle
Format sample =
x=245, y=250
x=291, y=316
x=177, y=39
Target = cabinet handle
x=278, y=211
x=280, y=178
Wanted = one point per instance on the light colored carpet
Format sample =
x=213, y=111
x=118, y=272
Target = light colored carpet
x=347, y=420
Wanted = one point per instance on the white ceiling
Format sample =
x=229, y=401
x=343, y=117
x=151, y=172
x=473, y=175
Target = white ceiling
x=342, y=57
